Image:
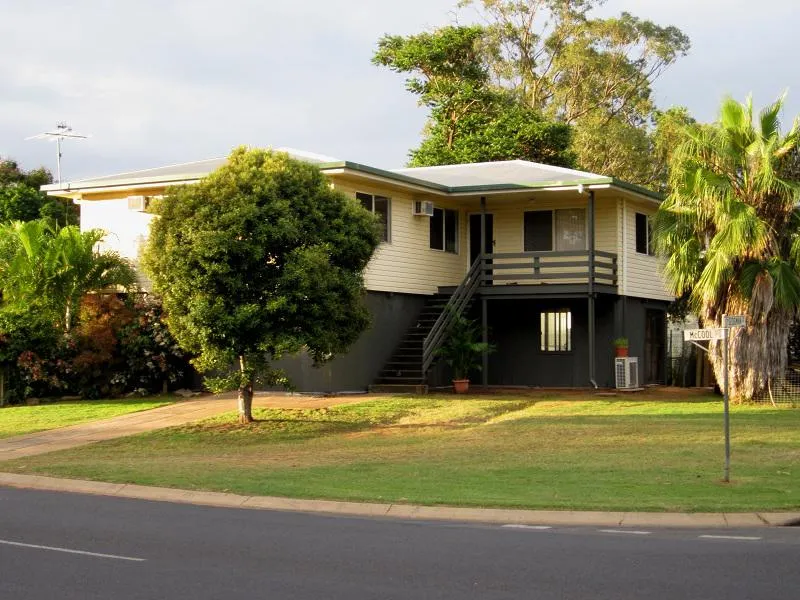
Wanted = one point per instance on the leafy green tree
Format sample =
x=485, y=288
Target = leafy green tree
x=666, y=136
x=260, y=258
x=21, y=199
x=556, y=59
x=730, y=231
x=54, y=268
x=501, y=130
x=470, y=119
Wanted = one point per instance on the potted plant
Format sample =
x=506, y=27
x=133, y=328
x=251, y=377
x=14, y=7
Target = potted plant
x=462, y=351
x=621, y=346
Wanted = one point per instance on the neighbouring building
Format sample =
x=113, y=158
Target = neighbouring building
x=555, y=263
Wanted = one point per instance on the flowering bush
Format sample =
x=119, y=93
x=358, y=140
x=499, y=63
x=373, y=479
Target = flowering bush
x=152, y=356
x=31, y=353
x=119, y=345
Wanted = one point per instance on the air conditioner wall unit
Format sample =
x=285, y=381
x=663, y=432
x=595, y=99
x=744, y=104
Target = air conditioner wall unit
x=626, y=372
x=422, y=208
x=138, y=203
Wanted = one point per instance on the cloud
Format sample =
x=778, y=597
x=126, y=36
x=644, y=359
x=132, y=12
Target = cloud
x=163, y=82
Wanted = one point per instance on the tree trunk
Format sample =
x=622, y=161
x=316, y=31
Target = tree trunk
x=758, y=355
x=245, y=394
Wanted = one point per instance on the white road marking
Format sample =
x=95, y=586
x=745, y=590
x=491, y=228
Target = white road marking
x=729, y=537
x=518, y=526
x=628, y=531
x=71, y=551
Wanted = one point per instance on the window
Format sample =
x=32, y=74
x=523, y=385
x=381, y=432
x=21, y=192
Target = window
x=444, y=230
x=556, y=331
x=539, y=231
x=644, y=234
x=378, y=205
x=563, y=229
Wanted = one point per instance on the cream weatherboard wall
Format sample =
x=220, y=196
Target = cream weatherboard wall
x=406, y=263
x=509, y=218
x=641, y=273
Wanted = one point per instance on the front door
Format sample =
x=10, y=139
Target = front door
x=655, y=335
x=475, y=238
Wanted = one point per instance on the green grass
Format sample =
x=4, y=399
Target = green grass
x=568, y=452
x=19, y=420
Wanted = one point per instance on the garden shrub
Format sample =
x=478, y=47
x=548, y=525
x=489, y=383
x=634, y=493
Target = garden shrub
x=32, y=352
x=120, y=345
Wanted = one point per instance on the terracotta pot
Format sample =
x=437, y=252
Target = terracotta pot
x=461, y=386
x=620, y=352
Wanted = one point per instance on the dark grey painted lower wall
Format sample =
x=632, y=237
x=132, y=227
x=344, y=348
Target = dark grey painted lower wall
x=514, y=329
x=392, y=315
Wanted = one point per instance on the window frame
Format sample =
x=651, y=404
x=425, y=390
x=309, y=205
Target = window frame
x=554, y=229
x=562, y=346
x=361, y=196
x=457, y=245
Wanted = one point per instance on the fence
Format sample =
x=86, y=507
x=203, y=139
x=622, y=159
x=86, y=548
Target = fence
x=784, y=391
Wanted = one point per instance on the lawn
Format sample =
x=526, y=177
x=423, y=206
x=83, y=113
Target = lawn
x=18, y=420
x=562, y=452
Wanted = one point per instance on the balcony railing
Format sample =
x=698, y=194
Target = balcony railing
x=532, y=268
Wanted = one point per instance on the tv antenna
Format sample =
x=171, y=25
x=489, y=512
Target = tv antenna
x=62, y=132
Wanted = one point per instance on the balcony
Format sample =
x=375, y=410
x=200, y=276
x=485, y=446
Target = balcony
x=544, y=274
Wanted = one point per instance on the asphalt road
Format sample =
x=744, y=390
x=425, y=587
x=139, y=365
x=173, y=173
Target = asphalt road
x=57, y=545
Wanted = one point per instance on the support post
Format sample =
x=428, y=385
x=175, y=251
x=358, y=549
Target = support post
x=485, y=340
x=484, y=307
x=726, y=401
x=591, y=294
x=483, y=235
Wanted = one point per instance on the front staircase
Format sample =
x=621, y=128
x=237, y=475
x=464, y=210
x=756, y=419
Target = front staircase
x=403, y=372
x=407, y=369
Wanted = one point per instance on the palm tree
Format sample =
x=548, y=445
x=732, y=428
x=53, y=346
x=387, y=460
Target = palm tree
x=56, y=267
x=730, y=232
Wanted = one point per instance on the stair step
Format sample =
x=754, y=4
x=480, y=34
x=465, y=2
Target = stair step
x=395, y=388
x=416, y=375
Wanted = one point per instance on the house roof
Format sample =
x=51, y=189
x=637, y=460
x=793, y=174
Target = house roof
x=495, y=173
x=189, y=171
x=503, y=176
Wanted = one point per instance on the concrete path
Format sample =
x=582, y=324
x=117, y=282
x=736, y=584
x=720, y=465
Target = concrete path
x=179, y=413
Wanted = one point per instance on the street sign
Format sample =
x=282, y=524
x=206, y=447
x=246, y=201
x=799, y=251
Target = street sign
x=733, y=321
x=703, y=335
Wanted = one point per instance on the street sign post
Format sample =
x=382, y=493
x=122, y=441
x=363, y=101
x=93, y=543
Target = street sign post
x=720, y=333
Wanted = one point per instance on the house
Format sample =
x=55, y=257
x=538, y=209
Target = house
x=555, y=263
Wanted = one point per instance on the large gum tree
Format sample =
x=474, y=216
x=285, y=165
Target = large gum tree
x=730, y=233
x=259, y=259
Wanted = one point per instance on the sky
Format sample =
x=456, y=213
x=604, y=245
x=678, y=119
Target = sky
x=157, y=82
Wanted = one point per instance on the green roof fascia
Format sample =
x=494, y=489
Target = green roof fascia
x=638, y=189
x=88, y=184
x=346, y=164
x=499, y=187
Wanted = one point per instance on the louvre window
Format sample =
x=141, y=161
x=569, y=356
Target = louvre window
x=556, y=331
